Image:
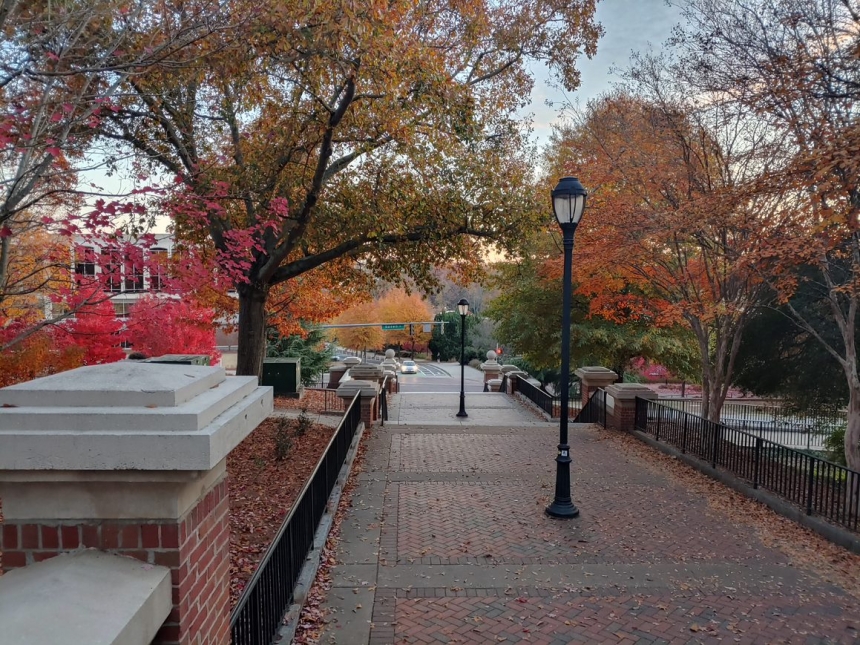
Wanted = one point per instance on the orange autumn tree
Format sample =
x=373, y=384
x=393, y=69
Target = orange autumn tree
x=669, y=229
x=399, y=306
x=385, y=133
x=793, y=66
x=360, y=338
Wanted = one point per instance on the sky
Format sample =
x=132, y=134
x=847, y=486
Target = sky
x=629, y=26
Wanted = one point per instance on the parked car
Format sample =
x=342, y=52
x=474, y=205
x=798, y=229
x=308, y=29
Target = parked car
x=409, y=367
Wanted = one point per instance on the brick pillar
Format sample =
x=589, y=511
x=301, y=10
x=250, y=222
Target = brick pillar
x=156, y=491
x=368, y=410
x=196, y=548
x=621, y=404
x=334, y=376
x=592, y=379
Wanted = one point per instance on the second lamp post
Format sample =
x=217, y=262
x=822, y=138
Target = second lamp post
x=463, y=308
x=568, y=204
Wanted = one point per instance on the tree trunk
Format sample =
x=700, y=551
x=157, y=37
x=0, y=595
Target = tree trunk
x=852, y=430
x=252, y=329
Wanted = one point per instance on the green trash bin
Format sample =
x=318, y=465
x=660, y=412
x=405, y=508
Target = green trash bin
x=284, y=375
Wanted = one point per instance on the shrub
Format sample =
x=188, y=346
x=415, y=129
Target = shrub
x=834, y=444
x=476, y=363
x=283, y=442
x=303, y=423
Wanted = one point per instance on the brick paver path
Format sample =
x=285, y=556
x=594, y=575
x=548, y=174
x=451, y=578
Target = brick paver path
x=447, y=542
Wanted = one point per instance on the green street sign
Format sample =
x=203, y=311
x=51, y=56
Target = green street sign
x=393, y=327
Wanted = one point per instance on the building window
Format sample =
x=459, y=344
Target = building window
x=134, y=270
x=122, y=309
x=157, y=268
x=112, y=270
x=85, y=263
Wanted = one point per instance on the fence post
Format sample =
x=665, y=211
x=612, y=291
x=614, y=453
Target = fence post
x=659, y=420
x=811, y=485
x=684, y=435
x=757, y=461
x=714, y=452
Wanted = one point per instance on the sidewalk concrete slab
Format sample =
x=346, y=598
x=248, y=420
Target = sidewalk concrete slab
x=484, y=409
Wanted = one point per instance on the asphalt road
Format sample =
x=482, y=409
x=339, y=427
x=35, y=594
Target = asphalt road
x=441, y=377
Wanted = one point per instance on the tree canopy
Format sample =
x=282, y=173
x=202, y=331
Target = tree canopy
x=385, y=134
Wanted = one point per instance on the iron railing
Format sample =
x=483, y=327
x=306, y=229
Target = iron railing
x=595, y=410
x=383, y=402
x=544, y=400
x=536, y=395
x=331, y=401
x=772, y=421
x=267, y=596
x=818, y=486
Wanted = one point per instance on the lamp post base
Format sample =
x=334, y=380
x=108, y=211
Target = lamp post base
x=562, y=506
x=462, y=412
x=562, y=509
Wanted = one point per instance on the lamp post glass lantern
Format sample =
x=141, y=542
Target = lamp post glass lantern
x=568, y=204
x=463, y=309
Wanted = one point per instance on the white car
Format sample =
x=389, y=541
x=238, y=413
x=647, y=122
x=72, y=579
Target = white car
x=409, y=367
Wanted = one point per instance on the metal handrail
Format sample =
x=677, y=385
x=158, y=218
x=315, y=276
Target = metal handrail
x=817, y=485
x=256, y=618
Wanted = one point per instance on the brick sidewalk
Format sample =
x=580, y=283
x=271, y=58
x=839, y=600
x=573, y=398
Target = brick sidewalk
x=447, y=542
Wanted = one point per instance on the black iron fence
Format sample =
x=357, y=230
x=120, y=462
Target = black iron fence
x=536, y=395
x=383, y=402
x=544, y=400
x=331, y=402
x=772, y=420
x=257, y=616
x=817, y=485
x=595, y=410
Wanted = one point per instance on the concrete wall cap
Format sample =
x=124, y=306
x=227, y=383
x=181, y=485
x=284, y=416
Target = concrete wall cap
x=185, y=445
x=85, y=598
x=120, y=384
x=599, y=376
x=351, y=360
x=509, y=368
x=629, y=391
x=364, y=388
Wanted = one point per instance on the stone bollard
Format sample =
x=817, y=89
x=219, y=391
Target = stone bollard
x=594, y=378
x=494, y=384
x=130, y=458
x=369, y=392
x=490, y=368
x=351, y=361
x=621, y=404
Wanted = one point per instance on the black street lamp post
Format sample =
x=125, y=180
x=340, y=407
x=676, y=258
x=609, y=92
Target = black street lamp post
x=463, y=308
x=568, y=204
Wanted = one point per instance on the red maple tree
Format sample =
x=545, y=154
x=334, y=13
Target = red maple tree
x=161, y=326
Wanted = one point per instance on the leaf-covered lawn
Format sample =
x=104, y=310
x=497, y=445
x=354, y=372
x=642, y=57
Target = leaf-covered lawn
x=263, y=489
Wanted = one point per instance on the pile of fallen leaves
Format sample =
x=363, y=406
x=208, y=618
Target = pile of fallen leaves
x=313, y=615
x=264, y=488
x=806, y=548
x=312, y=401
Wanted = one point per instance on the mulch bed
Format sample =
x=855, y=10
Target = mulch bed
x=263, y=489
x=312, y=401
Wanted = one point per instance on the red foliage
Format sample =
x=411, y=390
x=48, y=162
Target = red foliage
x=161, y=326
x=95, y=329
